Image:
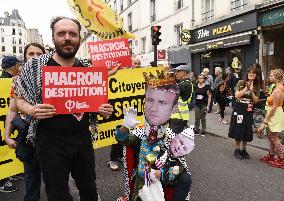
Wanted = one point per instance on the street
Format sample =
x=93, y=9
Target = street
x=216, y=175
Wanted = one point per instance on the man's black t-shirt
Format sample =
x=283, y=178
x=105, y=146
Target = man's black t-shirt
x=65, y=125
x=201, y=96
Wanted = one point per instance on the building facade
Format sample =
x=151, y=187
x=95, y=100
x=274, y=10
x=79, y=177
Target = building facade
x=14, y=35
x=138, y=17
x=271, y=37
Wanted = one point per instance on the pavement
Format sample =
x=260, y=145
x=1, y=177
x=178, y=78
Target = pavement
x=214, y=127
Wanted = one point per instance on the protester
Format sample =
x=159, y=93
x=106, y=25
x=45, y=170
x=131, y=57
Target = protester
x=136, y=63
x=157, y=139
x=179, y=119
x=24, y=152
x=63, y=142
x=209, y=82
x=11, y=68
x=202, y=102
x=246, y=95
x=221, y=95
x=232, y=80
x=274, y=120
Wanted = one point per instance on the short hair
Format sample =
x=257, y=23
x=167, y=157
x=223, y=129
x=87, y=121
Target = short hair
x=35, y=45
x=58, y=18
x=219, y=69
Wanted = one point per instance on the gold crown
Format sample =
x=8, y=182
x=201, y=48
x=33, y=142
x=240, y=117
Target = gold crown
x=162, y=78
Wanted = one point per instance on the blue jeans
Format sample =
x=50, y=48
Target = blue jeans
x=32, y=180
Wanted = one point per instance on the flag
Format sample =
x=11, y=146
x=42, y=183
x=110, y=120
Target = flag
x=99, y=18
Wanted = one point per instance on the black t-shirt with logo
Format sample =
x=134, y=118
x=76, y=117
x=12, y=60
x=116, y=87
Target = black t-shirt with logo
x=201, y=96
x=66, y=125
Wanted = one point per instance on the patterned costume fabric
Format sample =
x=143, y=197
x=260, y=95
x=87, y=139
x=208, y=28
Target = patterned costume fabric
x=159, y=150
x=30, y=88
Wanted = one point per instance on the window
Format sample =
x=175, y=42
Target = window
x=115, y=6
x=178, y=30
x=143, y=45
x=129, y=2
x=14, y=50
x=3, y=48
x=3, y=39
x=13, y=31
x=20, y=32
x=2, y=30
x=20, y=41
x=207, y=10
x=14, y=40
x=152, y=10
x=121, y=5
x=129, y=18
x=179, y=4
x=20, y=50
x=238, y=4
x=131, y=46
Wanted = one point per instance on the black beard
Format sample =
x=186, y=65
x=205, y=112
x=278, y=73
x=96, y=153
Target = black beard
x=66, y=55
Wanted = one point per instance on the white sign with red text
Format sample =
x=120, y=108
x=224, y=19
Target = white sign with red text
x=110, y=53
x=74, y=89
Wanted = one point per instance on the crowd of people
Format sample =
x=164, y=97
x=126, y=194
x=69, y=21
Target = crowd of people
x=54, y=146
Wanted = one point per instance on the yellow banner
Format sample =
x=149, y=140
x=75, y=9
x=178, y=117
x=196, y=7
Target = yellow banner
x=99, y=18
x=126, y=89
x=9, y=164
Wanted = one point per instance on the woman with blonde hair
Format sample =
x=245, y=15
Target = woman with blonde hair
x=274, y=120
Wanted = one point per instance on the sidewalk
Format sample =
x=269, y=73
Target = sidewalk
x=214, y=127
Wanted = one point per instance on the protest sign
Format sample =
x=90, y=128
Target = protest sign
x=74, y=89
x=110, y=53
x=126, y=89
x=9, y=164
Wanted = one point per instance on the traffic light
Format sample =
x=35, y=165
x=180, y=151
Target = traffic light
x=155, y=34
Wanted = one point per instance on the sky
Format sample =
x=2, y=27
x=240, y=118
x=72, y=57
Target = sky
x=37, y=13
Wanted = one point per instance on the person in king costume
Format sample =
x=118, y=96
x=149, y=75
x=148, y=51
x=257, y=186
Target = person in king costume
x=154, y=154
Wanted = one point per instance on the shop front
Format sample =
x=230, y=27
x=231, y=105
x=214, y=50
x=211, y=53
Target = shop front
x=271, y=22
x=228, y=43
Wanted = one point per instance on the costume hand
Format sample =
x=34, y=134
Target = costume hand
x=105, y=110
x=129, y=120
x=155, y=175
x=11, y=143
x=43, y=111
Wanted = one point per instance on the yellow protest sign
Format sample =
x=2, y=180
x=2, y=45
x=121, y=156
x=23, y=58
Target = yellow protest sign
x=126, y=89
x=99, y=18
x=9, y=164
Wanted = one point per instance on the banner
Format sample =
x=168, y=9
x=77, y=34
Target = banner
x=9, y=164
x=125, y=89
x=110, y=53
x=99, y=18
x=74, y=90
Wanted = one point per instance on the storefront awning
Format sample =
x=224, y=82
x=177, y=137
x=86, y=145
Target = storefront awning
x=224, y=42
x=179, y=54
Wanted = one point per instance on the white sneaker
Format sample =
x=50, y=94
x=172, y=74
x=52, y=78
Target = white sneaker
x=113, y=166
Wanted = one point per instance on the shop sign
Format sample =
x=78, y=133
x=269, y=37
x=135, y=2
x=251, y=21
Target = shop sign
x=185, y=36
x=272, y=17
x=231, y=26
